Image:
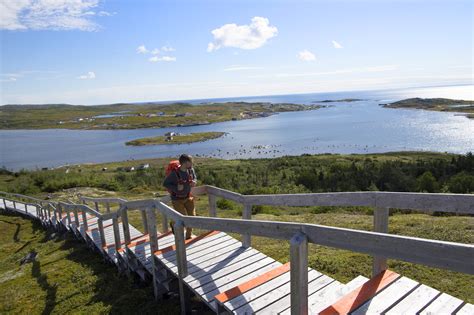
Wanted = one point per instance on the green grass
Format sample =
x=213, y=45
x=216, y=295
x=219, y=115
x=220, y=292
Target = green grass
x=179, y=139
x=67, y=277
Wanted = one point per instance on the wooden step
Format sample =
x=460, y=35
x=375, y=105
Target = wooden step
x=359, y=296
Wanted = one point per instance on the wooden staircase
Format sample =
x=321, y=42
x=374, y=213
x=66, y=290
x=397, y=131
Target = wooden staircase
x=236, y=279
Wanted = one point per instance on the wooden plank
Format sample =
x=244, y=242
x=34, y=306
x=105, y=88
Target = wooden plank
x=323, y=296
x=389, y=296
x=215, y=258
x=223, y=270
x=255, y=293
x=201, y=248
x=381, y=226
x=356, y=298
x=415, y=301
x=208, y=292
x=467, y=309
x=233, y=262
x=201, y=251
x=280, y=299
x=212, y=205
x=443, y=304
x=161, y=253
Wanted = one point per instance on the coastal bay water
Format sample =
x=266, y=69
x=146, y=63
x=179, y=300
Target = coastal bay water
x=342, y=127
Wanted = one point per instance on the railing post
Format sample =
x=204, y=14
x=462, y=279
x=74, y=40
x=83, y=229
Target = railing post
x=144, y=221
x=164, y=223
x=68, y=215
x=212, y=205
x=4, y=204
x=84, y=222
x=14, y=205
x=182, y=266
x=100, y=224
x=151, y=227
x=126, y=227
x=299, y=274
x=381, y=226
x=76, y=218
x=151, y=222
x=116, y=233
x=96, y=206
x=246, y=215
x=107, y=207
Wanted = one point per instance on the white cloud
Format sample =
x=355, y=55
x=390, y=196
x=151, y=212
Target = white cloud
x=49, y=14
x=155, y=51
x=306, y=55
x=10, y=79
x=336, y=44
x=241, y=68
x=142, y=49
x=250, y=36
x=167, y=48
x=164, y=58
x=88, y=76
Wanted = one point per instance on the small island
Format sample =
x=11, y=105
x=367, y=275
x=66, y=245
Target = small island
x=435, y=104
x=344, y=100
x=176, y=138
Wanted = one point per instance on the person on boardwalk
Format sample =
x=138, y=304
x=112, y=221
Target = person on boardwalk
x=180, y=178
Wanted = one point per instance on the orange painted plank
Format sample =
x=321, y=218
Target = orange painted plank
x=186, y=242
x=249, y=285
x=362, y=294
x=144, y=240
x=123, y=242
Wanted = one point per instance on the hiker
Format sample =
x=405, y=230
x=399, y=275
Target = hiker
x=180, y=178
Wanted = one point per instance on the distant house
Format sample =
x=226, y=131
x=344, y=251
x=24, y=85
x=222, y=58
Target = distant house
x=143, y=166
x=129, y=169
x=170, y=134
x=160, y=113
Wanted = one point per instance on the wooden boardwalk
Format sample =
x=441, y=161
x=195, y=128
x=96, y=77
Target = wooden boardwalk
x=237, y=279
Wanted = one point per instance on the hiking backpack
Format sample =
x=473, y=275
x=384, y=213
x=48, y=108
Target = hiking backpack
x=173, y=166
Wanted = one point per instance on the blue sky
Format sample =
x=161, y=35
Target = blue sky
x=98, y=52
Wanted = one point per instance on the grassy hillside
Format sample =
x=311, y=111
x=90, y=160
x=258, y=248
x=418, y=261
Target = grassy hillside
x=396, y=171
x=67, y=277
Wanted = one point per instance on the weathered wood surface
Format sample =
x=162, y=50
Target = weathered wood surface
x=217, y=262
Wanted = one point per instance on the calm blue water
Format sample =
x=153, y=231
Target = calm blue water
x=355, y=127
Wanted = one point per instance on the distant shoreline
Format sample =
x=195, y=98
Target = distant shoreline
x=465, y=108
x=174, y=138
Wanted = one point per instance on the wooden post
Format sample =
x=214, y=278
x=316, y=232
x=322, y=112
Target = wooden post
x=14, y=204
x=144, y=221
x=84, y=222
x=116, y=232
x=151, y=221
x=68, y=214
x=299, y=274
x=164, y=223
x=182, y=266
x=212, y=205
x=126, y=227
x=151, y=227
x=96, y=206
x=76, y=218
x=26, y=208
x=100, y=224
x=4, y=204
x=381, y=226
x=107, y=207
x=246, y=214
